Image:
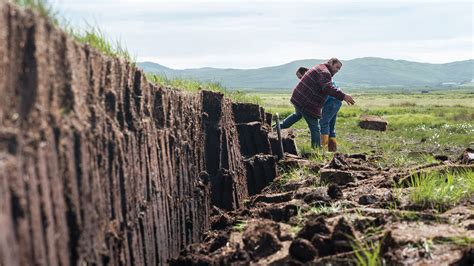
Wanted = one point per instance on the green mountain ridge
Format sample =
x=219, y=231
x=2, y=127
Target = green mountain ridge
x=360, y=72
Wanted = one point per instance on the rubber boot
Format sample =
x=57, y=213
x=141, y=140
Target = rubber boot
x=332, y=145
x=324, y=142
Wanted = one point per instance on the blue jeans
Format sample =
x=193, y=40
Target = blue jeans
x=313, y=124
x=328, y=119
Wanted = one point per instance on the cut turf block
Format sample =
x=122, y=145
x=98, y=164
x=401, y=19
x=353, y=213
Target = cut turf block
x=373, y=123
x=337, y=176
x=261, y=170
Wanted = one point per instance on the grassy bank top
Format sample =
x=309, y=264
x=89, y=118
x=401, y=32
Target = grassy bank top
x=93, y=36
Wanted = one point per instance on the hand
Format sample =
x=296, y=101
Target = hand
x=348, y=99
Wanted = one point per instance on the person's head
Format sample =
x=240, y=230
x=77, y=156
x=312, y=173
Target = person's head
x=301, y=71
x=334, y=65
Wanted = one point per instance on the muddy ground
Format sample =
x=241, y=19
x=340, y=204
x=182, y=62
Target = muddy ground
x=328, y=215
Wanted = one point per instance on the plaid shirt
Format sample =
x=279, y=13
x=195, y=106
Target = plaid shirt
x=312, y=90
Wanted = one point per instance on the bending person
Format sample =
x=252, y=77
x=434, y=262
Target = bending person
x=309, y=98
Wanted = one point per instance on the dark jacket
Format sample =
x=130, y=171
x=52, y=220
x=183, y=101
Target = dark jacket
x=312, y=90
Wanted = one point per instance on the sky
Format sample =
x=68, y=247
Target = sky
x=252, y=34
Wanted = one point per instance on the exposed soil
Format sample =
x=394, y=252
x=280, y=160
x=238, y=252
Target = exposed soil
x=318, y=219
x=99, y=166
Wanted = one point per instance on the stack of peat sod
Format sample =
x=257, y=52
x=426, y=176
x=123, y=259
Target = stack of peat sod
x=99, y=166
x=253, y=126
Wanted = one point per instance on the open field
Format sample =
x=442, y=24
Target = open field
x=420, y=125
x=98, y=166
x=384, y=200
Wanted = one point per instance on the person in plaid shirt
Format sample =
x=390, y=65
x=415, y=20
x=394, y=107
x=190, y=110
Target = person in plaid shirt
x=310, y=95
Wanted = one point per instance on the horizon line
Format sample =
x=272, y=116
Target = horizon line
x=253, y=68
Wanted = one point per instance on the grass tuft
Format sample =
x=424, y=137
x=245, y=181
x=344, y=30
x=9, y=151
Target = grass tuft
x=461, y=241
x=91, y=35
x=440, y=190
x=293, y=174
x=367, y=254
x=42, y=7
x=327, y=210
x=96, y=38
x=240, y=226
x=295, y=229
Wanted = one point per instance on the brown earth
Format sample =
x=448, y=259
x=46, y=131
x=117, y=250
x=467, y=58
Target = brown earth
x=98, y=166
x=308, y=222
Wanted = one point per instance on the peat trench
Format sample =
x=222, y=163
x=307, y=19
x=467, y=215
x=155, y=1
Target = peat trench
x=334, y=211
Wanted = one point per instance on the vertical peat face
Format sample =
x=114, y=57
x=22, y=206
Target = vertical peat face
x=223, y=158
x=99, y=166
x=96, y=164
x=253, y=127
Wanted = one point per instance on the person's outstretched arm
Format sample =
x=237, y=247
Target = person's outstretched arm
x=329, y=89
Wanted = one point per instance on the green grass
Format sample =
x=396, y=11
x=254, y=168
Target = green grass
x=196, y=85
x=91, y=35
x=461, y=241
x=95, y=37
x=331, y=209
x=314, y=155
x=440, y=190
x=42, y=7
x=441, y=122
x=295, y=229
x=405, y=215
x=294, y=174
x=289, y=175
x=240, y=226
x=420, y=125
x=367, y=254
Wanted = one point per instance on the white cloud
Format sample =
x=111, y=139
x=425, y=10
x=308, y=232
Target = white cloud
x=247, y=34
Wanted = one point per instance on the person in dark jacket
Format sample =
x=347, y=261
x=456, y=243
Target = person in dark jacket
x=311, y=93
x=327, y=123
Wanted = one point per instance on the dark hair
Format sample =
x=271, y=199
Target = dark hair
x=301, y=71
x=333, y=61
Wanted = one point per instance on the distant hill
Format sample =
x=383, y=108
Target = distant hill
x=360, y=72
